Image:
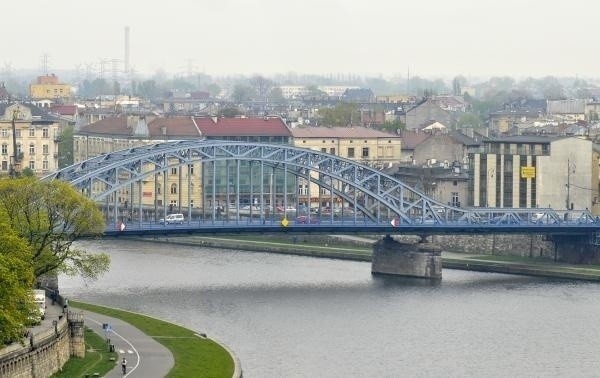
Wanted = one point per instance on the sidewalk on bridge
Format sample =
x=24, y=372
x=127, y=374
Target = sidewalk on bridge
x=145, y=356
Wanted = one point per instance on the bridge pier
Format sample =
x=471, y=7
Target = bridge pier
x=423, y=260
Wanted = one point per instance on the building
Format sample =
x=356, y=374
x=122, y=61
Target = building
x=446, y=184
x=49, y=87
x=568, y=111
x=36, y=136
x=532, y=171
x=367, y=146
x=122, y=132
x=444, y=149
x=426, y=111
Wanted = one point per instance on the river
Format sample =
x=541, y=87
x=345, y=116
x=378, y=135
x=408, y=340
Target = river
x=294, y=316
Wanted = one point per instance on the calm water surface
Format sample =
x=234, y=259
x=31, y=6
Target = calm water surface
x=292, y=316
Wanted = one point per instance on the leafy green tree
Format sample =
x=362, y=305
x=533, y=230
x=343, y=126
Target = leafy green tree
x=229, y=112
x=469, y=120
x=393, y=126
x=213, y=89
x=343, y=114
x=50, y=216
x=276, y=95
x=16, y=281
x=65, y=147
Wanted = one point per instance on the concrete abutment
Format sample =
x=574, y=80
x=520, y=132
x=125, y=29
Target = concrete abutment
x=422, y=260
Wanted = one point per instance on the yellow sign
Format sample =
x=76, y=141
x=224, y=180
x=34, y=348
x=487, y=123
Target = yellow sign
x=285, y=222
x=527, y=172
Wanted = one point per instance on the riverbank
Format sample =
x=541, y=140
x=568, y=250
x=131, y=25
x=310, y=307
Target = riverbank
x=194, y=354
x=359, y=249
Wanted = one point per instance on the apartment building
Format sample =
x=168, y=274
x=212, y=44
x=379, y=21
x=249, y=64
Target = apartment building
x=367, y=146
x=49, y=87
x=531, y=171
x=35, y=134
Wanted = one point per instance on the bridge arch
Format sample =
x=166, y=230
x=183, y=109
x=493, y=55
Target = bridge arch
x=371, y=193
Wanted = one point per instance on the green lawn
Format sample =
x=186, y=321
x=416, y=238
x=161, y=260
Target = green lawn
x=97, y=359
x=194, y=356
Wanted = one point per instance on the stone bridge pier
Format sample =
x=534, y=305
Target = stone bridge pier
x=422, y=260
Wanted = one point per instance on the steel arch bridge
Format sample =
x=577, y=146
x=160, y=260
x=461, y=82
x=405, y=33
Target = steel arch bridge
x=222, y=186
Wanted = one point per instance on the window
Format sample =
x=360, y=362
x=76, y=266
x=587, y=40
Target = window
x=32, y=165
x=379, y=151
x=191, y=168
x=324, y=150
x=32, y=132
x=4, y=133
x=18, y=133
x=365, y=152
x=45, y=149
x=45, y=165
x=332, y=151
x=45, y=133
x=4, y=149
x=31, y=149
x=174, y=189
x=173, y=171
x=303, y=189
x=350, y=152
x=454, y=183
x=158, y=189
x=389, y=151
x=455, y=201
x=18, y=149
x=4, y=165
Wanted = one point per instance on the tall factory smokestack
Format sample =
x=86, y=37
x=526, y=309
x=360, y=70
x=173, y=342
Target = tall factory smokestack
x=126, y=59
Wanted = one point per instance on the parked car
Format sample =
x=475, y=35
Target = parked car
x=303, y=219
x=172, y=219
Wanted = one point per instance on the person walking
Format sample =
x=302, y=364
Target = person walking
x=124, y=366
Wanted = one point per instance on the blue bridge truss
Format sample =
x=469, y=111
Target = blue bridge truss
x=208, y=186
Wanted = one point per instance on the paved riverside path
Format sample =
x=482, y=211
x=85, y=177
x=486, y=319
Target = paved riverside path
x=145, y=356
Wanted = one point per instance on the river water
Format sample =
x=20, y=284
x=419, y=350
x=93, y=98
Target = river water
x=293, y=316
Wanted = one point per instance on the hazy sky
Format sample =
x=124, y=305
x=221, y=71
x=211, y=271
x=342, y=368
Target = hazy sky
x=433, y=38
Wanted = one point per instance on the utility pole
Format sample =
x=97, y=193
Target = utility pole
x=568, y=184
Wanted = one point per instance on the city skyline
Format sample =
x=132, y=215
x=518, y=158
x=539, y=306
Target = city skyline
x=472, y=38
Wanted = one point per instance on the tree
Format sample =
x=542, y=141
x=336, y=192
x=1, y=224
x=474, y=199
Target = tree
x=395, y=126
x=16, y=282
x=343, y=114
x=65, y=147
x=469, y=120
x=50, y=216
x=242, y=93
x=229, y=112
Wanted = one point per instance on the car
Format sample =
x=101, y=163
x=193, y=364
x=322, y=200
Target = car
x=172, y=219
x=303, y=219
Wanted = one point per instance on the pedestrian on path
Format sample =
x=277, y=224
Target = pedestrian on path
x=124, y=365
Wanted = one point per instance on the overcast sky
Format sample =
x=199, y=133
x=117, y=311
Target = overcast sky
x=433, y=38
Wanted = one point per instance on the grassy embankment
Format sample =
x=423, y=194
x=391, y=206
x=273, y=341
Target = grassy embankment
x=194, y=356
x=97, y=359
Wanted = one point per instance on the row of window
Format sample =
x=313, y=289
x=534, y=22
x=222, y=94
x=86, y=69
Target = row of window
x=31, y=165
x=351, y=141
x=4, y=149
x=32, y=131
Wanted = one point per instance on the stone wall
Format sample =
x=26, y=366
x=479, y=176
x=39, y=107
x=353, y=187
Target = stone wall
x=503, y=245
x=44, y=353
x=41, y=355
